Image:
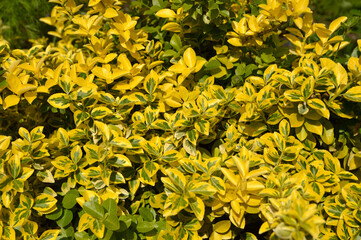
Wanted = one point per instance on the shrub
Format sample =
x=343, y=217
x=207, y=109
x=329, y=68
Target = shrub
x=181, y=120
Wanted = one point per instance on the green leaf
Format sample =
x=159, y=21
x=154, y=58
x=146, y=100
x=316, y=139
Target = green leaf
x=112, y=222
x=147, y=214
x=82, y=236
x=56, y=214
x=125, y=222
x=267, y=58
x=69, y=200
x=176, y=42
x=144, y=227
x=65, y=219
x=110, y=206
x=94, y=209
x=213, y=64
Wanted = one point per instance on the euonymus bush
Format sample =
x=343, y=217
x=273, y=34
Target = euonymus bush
x=181, y=120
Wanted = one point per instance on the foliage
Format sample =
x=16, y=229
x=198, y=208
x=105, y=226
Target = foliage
x=19, y=21
x=181, y=120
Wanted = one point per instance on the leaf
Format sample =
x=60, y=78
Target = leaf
x=307, y=87
x=202, y=188
x=44, y=202
x=45, y=176
x=97, y=227
x=319, y=105
x=112, y=222
x=166, y=13
x=177, y=178
x=121, y=142
x=29, y=227
x=353, y=94
x=335, y=24
x=172, y=27
x=197, y=207
x=342, y=231
x=284, y=128
x=174, y=204
x=110, y=13
x=189, y=57
x=334, y=210
x=119, y=160
x=14, y=166
x=314, y=126
x=84, y=92
x=293, y=95
x=151, y=168
x=100, y=112
x=222, y=226
x=55, y=215
x=59, y=100
x=10, y=101
x=151, y=82
x=94, y=209
x=171, y=156
x=65, y=219
x=69, y=200
x=144, y=227
x=176, y=42
x=202, y=126
x=147, y=214
x=76, y=154
x=219, y=184
x=49, y=235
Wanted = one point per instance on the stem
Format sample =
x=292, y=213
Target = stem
x=337, y=94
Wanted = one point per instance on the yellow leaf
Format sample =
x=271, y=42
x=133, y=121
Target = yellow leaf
x=84, y=222
x=166, y=13
x=110, y=57
x=254, y=186
x=335, y=24
x=4, y=142
x=30, y=96
x=110, y=13
x=189, y=57
x=235, y=42
x=314, y=126
x=353, y=94
x=296, y=120
x=16, y=86
x=10, y=101
x=222, y=226
x=172, y=27
x=179, y=67
x=93, y=2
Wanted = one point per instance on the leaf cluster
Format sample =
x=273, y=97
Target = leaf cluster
x=172, y=120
